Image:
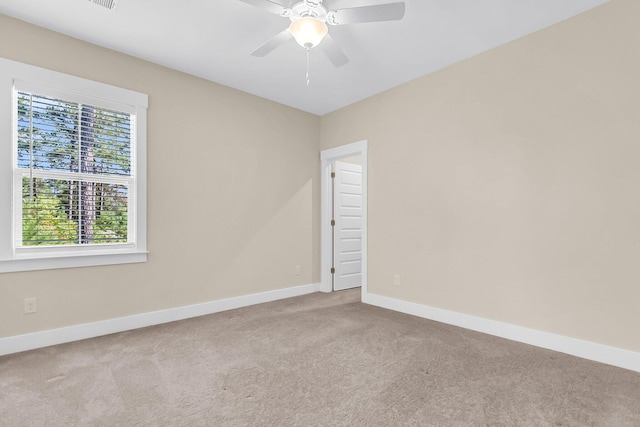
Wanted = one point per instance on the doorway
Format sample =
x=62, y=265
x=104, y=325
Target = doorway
x=344, y=217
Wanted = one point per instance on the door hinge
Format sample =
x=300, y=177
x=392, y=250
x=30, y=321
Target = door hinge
x=333, y=174
x=333, y=270
x=333, y=222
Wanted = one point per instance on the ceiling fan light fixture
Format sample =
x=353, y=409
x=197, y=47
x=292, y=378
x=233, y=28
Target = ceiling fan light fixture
x=308, y=31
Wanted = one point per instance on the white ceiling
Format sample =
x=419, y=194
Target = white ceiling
x=212, y=39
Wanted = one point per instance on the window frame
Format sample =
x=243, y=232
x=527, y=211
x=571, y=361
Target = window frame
x=15, y=76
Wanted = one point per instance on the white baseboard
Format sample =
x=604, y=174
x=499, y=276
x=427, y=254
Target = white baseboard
x=35, y=340
x=587, y=350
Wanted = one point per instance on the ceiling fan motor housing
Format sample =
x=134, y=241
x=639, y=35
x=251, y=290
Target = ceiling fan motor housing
x=308, y=9
x=109, y=4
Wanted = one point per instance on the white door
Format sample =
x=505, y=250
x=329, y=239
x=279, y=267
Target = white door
x=347, y=252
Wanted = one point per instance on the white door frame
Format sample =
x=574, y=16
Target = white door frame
x=327, y=157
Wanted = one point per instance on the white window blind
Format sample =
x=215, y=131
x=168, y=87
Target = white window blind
x=74, y=164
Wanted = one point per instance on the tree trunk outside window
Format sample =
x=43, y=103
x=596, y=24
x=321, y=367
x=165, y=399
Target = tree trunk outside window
x=87, y=165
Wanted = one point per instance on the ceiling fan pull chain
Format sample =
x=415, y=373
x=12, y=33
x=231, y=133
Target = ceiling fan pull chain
x=308, y=79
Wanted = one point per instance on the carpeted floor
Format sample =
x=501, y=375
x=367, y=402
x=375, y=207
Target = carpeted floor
x=315, y=360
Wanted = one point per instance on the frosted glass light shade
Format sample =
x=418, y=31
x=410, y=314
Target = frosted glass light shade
x=308, y=32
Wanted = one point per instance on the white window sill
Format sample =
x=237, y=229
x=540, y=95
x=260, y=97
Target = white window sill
x=69, y=261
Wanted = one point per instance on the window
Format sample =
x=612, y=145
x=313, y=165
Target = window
x=73, y=192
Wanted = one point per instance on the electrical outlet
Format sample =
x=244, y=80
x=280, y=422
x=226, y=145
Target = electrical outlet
x=297, y=270
x=396, y=279
x=30, y=305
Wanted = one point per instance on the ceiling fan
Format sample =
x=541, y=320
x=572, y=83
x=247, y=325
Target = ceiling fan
x=309, y=19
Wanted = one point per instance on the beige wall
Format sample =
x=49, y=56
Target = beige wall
x=507, y=186
x=233, y=194
x=355, y=160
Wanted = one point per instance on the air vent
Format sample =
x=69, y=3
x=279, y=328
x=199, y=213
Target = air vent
x=109, y=4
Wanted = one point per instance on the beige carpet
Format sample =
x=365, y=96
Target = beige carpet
x=316, y=360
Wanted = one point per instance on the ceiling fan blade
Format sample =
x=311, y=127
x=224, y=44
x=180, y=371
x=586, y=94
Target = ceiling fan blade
x=273, y=43
x=333, y=52
x=358, y=15
x=269, y=5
